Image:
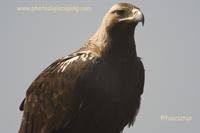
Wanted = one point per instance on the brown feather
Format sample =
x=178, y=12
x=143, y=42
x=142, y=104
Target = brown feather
x=94, y=90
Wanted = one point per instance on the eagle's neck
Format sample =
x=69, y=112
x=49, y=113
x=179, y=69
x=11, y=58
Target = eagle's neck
x=115, y=42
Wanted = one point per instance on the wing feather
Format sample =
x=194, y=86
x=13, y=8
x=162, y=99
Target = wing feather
x=49, y=100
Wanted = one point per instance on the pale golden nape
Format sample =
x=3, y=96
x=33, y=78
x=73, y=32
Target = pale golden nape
x=120, y=20
x=122, y=12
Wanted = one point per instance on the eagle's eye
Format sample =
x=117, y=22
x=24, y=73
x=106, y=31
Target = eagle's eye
x=120, y=12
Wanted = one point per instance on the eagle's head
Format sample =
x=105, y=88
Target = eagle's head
x=117, y=27
x=123, y=16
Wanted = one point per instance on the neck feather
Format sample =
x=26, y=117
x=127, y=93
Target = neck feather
x=109, y=42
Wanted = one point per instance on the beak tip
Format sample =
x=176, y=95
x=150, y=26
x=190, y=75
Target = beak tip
x=142, y=23
x=143, y=19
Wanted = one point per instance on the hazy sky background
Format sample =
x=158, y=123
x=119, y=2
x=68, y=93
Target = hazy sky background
x=168, y=43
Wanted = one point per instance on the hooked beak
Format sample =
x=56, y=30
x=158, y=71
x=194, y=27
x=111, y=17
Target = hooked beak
x=138, y=16
x=135, y=16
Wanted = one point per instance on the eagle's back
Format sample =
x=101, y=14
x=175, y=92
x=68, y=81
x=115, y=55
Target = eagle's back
x=83, y=92
x=53, y=98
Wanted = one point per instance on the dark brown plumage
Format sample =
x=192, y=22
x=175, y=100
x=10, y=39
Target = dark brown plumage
x=94, y=90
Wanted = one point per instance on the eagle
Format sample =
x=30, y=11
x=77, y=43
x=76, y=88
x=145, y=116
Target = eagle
x=96, y=89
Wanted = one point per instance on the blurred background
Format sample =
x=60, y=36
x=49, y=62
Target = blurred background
x=32, y=37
